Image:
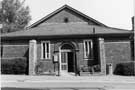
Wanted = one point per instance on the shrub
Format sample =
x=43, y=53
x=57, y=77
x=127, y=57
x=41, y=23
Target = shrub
x=97, y=68
x=14, y=66
x=94, y=68
x=84, y=69
x=39, y=68
x=126, y=69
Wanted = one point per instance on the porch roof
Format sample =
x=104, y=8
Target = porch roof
x=60, y=29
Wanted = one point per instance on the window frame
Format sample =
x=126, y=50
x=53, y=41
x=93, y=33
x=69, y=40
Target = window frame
x=90, y=50
x=45, y=51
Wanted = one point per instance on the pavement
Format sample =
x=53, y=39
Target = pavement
x=109, y=82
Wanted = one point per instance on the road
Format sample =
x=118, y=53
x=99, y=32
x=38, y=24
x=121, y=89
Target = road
x=68, y=83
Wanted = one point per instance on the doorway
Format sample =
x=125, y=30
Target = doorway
x=71, y=62
x=67, y=58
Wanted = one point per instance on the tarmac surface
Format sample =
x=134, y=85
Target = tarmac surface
x=22, y=82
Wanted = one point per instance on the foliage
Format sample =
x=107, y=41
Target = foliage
x=126, y=69
x=97, y=68
x=13, y=15
x=39, y=68
x=94, y=68
x=85, y=69
x=14, y=66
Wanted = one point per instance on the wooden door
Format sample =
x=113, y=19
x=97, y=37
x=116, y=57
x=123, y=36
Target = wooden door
x=64, y=61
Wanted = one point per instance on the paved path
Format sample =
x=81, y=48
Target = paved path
x=52, y=89
x=78, y=83
x=14, y=78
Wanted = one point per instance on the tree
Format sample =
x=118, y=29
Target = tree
x=14, y=15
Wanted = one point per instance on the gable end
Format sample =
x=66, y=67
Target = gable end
x=66, y=11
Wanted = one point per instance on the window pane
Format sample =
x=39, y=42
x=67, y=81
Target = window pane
x=47, y=47
x=64, y=67
x=43, y=50
x=47, y=55
x=64, y=57
x=88, y=49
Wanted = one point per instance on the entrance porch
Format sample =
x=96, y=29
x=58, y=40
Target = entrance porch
x=67, y=58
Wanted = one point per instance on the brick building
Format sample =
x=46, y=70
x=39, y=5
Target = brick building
x=67, y=40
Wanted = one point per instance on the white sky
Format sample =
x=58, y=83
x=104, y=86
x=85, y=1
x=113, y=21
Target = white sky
x=114, y=13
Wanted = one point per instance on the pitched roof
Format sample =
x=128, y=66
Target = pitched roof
x=66, y=29
x=62, y=8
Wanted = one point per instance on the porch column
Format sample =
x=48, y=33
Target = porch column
x=102, y=56
x=32, y=56
x=59, y=62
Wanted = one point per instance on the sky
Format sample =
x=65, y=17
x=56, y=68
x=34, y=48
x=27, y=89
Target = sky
x=113, y=13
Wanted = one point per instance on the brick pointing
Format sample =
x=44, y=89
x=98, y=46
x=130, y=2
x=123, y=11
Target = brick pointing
x=117, y=52
x=15, y=51
x=49, y=65
x=59, y=18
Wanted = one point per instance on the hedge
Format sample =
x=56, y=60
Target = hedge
x=125, y=69
x=14, y=66
x=95, y=68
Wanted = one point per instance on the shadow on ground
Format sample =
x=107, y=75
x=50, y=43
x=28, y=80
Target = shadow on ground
x=21, y=89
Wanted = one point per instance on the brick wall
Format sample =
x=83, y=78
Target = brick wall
x=49, y=65
x=118, y=51
x=59, y=17
x=14, y=50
